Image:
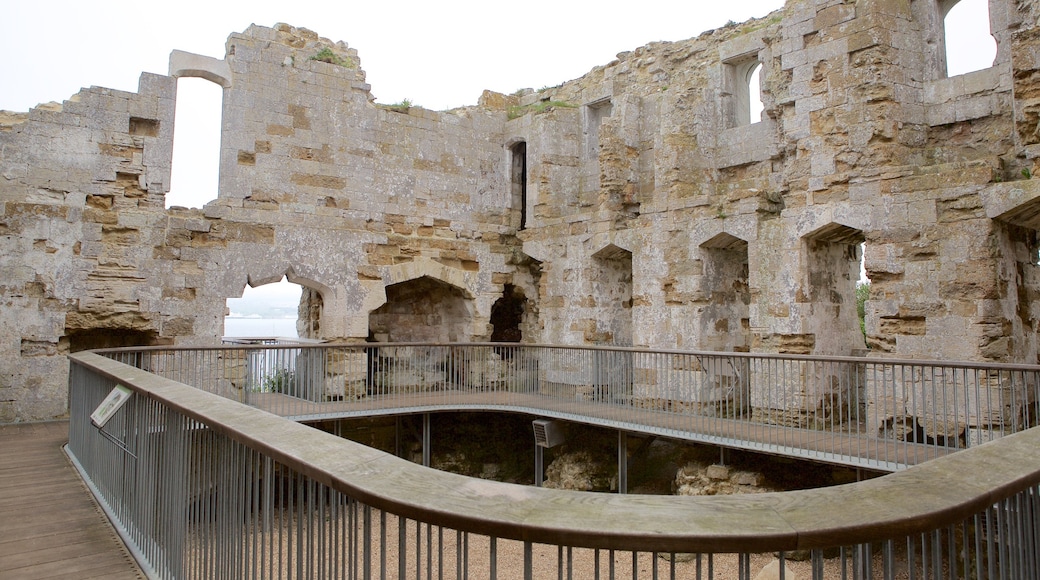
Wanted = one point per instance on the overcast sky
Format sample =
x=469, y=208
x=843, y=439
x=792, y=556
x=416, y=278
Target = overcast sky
x=437, y=54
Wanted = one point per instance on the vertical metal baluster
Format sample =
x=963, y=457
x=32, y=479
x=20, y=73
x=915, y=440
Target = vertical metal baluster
x=440, y=552
x=402, y=547
x=382, y=545
x=493, y=557
x=458, y=554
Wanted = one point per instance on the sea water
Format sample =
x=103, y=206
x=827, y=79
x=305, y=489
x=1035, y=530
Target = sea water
x=260, y=327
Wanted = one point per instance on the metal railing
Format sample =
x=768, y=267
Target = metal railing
x=880, y=414
x=204, y=487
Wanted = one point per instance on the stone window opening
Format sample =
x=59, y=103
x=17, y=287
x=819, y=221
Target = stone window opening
x=196, y=143
x=958, y=36
x=967, y=41
x=518, y=180
x=742, y=93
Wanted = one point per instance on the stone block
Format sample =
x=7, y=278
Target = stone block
x=718, y=472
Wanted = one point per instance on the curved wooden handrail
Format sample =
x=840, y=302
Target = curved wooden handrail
x=920, y=499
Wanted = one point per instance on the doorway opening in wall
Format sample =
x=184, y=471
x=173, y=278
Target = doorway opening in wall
x=507, y=314
x=726, y=318
x=196, y=143
x=834, y=268
x=268, y=311
x=969, y=42
x=611, y=289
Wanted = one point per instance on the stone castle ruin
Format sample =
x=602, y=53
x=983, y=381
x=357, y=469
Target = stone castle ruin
x=639, y=205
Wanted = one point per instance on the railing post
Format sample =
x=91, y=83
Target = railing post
x=426, y=438
x=528, y=561
x=622, y=462
x=539, y=474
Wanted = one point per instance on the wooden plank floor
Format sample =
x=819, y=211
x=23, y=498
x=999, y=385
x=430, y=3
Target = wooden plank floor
x=50, y=526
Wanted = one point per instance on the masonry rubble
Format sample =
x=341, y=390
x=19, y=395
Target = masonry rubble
x=637, y=205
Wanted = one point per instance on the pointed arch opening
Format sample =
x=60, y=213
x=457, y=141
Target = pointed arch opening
x=266, y=311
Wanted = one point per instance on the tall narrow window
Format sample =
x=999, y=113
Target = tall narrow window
x=755, y=93
x=968, y=39
x=518, y=180
x=196, y=143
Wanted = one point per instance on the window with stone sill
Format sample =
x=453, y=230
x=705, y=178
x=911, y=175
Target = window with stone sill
x=968, y=40
x=742, y=93
x=958, y=36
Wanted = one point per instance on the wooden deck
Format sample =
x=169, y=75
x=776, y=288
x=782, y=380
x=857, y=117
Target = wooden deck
x=50, y=526
x=844, y=448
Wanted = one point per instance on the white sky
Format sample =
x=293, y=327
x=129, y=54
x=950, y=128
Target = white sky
x=437, y=54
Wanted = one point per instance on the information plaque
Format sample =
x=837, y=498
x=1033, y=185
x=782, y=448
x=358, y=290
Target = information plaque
x=115, y=399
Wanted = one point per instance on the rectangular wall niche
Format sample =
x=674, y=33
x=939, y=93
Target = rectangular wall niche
x=594, y=115
x=144, y=127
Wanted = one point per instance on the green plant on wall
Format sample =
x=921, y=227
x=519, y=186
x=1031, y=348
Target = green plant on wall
x=282, y=380
x=862, y=294
x=326, y=55
x=399, y=107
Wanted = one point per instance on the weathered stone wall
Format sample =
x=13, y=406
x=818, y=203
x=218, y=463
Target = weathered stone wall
x=861, y=140
x=81, y=186
x=636, y=205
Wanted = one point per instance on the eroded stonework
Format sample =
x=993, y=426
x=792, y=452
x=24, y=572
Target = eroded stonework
x=638, y=205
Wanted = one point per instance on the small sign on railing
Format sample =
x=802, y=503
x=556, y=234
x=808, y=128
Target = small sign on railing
x=115, y=400
x=112, y=403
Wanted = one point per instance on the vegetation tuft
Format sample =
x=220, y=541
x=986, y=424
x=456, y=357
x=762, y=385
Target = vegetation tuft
x=326, y=55
x=862, y=294
x=280, y=381
x=400, y=107
x=537, y=108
